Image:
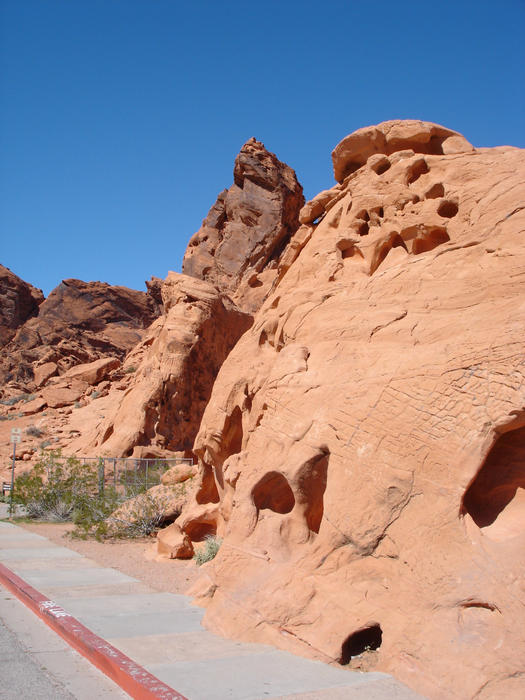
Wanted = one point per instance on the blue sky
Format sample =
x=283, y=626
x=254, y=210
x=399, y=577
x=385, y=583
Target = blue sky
x=120, y=119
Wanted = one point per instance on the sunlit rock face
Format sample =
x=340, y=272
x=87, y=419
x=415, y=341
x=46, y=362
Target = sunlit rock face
x=362, y=451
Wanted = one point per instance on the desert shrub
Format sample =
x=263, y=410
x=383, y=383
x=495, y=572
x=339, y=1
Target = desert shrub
x=44, y=444
x=212, y=544
x=130, y=370
x=33, y=431
x=54, y=487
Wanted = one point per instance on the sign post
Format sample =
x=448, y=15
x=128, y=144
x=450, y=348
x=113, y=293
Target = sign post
x=16, y=437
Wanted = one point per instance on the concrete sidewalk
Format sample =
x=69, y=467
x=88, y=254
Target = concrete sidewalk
x=163, y=633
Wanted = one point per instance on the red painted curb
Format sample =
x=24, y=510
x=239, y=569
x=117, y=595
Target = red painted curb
x=131, y=677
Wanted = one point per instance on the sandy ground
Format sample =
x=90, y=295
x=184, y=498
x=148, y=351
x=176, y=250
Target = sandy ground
x=137, y=558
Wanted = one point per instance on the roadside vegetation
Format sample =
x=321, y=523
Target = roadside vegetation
x=61, y=489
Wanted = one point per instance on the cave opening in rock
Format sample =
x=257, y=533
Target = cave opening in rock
x=273, y=492
x=366, y=639
x=497, y=482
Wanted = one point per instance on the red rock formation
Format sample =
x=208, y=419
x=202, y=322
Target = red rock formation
x=18, y=302
x=361, y=453
x=233, y=257
x=176, y=365
x=79, y=322
x=239, y=244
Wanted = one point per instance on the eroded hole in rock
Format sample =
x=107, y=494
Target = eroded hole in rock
x=348, y=249
x=415, y=170
x=431, y=239
x=273, y=492
x=497, y=482
x=198, y=530
x=312, y=485
x=437, y=190
x=207, y=492
x=447, y=209
x=394, y=241
x=381, y=166
x=363, y=215
x=366, y=639
x=232, y=433
x=350, y=168
x=363, y=228
x=254, y=281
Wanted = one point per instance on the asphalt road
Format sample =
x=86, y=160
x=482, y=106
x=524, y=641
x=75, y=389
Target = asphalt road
x=36, y=664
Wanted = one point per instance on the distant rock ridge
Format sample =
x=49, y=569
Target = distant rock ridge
x=79, y=322
x=19, y=301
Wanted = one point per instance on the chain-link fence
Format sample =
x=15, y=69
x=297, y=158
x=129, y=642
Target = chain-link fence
x=130, y=476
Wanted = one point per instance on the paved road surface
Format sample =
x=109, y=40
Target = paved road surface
x=36, y=664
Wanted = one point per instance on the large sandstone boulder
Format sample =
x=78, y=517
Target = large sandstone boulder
x=238, y=246
x=19, y=301
x=362, y=450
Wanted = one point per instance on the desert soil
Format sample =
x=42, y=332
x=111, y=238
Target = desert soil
x=137, y=558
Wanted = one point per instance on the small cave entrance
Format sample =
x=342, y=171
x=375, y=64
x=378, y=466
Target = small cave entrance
x=366, y=639
x=497, y=482
x=273, y=492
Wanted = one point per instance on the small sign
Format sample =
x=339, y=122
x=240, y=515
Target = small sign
x=16, y=435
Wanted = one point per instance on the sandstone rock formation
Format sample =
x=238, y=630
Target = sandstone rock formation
x=362, y=450
x=239, y=244
x=79, y=322
x=18, y=302
x=229, y=267
x=176, y=365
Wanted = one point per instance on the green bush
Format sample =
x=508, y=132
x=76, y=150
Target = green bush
x=208, y=552
x=52, y=489
x=57, y=489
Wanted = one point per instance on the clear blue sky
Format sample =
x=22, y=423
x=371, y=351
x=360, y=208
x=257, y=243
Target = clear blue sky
x=120, y=119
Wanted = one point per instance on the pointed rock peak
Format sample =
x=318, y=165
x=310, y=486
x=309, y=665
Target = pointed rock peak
x=397, y=135
x=252, y=144
x=262, y=167
x=248, y=227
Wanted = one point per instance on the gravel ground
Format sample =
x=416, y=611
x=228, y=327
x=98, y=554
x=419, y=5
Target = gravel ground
x=137, y=558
